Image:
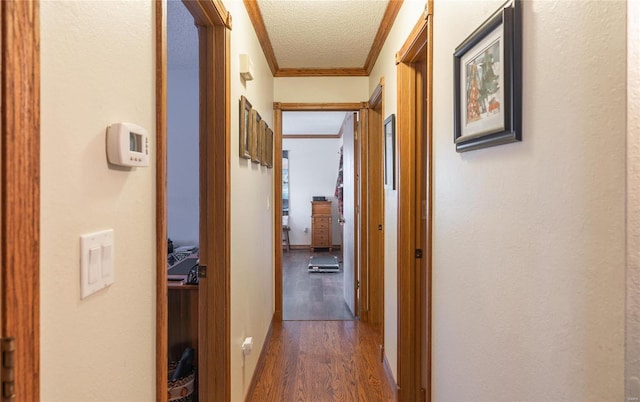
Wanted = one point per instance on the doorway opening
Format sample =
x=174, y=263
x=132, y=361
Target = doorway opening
x=321, y=210
x=190, y=315
x=318, y=281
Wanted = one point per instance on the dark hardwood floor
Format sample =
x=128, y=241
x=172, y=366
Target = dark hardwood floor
x=322, y=361
x=311, y=295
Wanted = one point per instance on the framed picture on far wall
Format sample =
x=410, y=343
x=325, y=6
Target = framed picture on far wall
x=488, y=82
x=245, y=134
x=262, y=143
x=390, y=152
x=269, y=140
x=254, y=127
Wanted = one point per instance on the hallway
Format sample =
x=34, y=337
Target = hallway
x=312, y=295
x=322, y=361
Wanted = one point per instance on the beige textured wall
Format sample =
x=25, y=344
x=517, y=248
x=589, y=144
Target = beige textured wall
x=633, y=204
x=386, y=67
x=252, y=246
x=529, y=246
x=97, y=66
x=320, y=89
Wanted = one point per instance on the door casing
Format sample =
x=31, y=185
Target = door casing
x=20, y=181
x=278, y=108
x=372, y=207
x=213, y=23
x=414, y=133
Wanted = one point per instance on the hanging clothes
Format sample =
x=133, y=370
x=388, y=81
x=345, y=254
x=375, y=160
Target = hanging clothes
x=339, y=187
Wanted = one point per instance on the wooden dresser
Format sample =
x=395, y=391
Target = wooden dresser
x=321, y=225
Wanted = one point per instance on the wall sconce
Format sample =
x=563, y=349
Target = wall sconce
x=246, y=67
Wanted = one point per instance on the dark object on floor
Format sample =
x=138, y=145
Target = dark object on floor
x=323, y=263
x=185, y=365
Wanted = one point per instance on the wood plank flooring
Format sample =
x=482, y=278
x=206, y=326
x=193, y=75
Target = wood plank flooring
x=322, y=361
x=312, y=295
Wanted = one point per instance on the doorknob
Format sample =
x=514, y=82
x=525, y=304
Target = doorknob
x=379, y=227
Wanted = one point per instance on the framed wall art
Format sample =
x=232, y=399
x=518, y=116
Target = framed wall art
x=254, y=132
x=245, y=134
x=488, y=82
x=262, y=142
x=269, y=139
x=390, y=152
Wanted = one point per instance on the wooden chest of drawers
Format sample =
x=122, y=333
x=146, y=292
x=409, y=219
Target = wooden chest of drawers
x=321, y=225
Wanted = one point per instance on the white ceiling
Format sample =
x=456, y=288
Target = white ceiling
x=312, y=122
x=321, y=33
x=314, y=30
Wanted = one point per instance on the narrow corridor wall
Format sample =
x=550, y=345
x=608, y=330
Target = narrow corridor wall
x=97, y=68
x=252, y=297
x=529, y=246
x=385, y=68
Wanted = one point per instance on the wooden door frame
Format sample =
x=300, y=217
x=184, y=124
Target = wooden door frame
x=372, y=125
x=278, y=108
x=20, y=181
x=414, y=209
x=214, y=23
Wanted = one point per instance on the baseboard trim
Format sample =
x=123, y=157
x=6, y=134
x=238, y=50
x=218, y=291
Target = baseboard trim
x=299, y=247
x=389, y=373
x=261, y=359
x=307, y=247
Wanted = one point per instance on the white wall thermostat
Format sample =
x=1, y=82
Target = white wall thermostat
x=127, y=145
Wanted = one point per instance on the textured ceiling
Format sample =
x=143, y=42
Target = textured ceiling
x=320, y=33
x=312, y=122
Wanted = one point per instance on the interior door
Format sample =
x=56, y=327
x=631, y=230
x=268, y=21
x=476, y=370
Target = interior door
x=350, y=238
x=214, y=295
x=375, y=224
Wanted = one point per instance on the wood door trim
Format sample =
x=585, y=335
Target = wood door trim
x=373, y=207
x=277, y=211
x=357, y=199
x=278, y=108
x=215, y=122
x=321, y=107
x=363, y=218
x=310, y=136
x=410, y=289
x=208, y=12
x=162, y=297
x=321, y=72
x=20, y=181
x=416, y=41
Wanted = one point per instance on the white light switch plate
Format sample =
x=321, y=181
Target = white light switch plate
x=96, y=262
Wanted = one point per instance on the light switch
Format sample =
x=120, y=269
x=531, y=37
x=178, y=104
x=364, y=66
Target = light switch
x=96, y=262
x=107, y=263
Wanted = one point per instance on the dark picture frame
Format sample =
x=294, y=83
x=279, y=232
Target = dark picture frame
x=389, y=132
x=245, y=133
x=262, y=142
x=254, y=126
x=269, y=139
x=487, y=89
